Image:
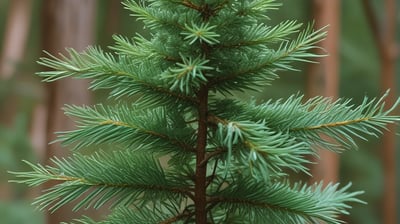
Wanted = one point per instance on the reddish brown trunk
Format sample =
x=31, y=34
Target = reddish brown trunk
x=385, y=38
x=201, y=168
x=388, y=72
x=323, y=78
x=113, y=16
x=66, y=23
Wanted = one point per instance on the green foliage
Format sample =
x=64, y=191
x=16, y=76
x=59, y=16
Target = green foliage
x=106, y=176
x=180, y=83
x=19, y=211
x=306, y=120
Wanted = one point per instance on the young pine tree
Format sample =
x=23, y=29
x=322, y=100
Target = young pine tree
x=227, y=160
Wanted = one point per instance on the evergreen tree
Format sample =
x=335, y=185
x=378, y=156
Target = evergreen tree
x=228, y=161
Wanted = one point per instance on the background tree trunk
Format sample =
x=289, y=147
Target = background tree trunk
x=13, y=50
x=16, y=34
x=113, y=17
x=384, y=34
x=388, y=81
x=323, y=79
x=66, y=24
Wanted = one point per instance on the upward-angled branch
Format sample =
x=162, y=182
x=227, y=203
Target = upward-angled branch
x=100, y=66
x=80, y=174
x=315, y=198
x=101, y=121
x=263, y=70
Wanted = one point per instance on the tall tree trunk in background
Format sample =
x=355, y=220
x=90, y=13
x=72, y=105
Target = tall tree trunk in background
x=66, y=24
x=323, y=78
x=15, y=38
x=16, y=34
x=385, y=37
x=113, y=17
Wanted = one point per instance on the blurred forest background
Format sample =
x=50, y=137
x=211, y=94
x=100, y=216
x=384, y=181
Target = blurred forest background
x=362, y=61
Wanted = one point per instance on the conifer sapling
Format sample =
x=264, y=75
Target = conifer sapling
x=174, y=93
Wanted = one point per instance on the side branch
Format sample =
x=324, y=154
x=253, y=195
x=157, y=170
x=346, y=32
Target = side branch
x=217, y=200
x=186, y=147
x=83, y=181
x=191, y=5
x=177, y=218
x=212, y=154
x=334, y=124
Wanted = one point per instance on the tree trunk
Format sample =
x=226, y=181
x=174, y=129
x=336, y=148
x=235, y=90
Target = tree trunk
x=15, y=38
x=385, y=37
x=66, y=24
x=113, y=16
x=323, y=79
x=16, y=34
x=388, y=81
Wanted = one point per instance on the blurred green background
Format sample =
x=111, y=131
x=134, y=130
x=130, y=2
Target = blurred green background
x=359, y=76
